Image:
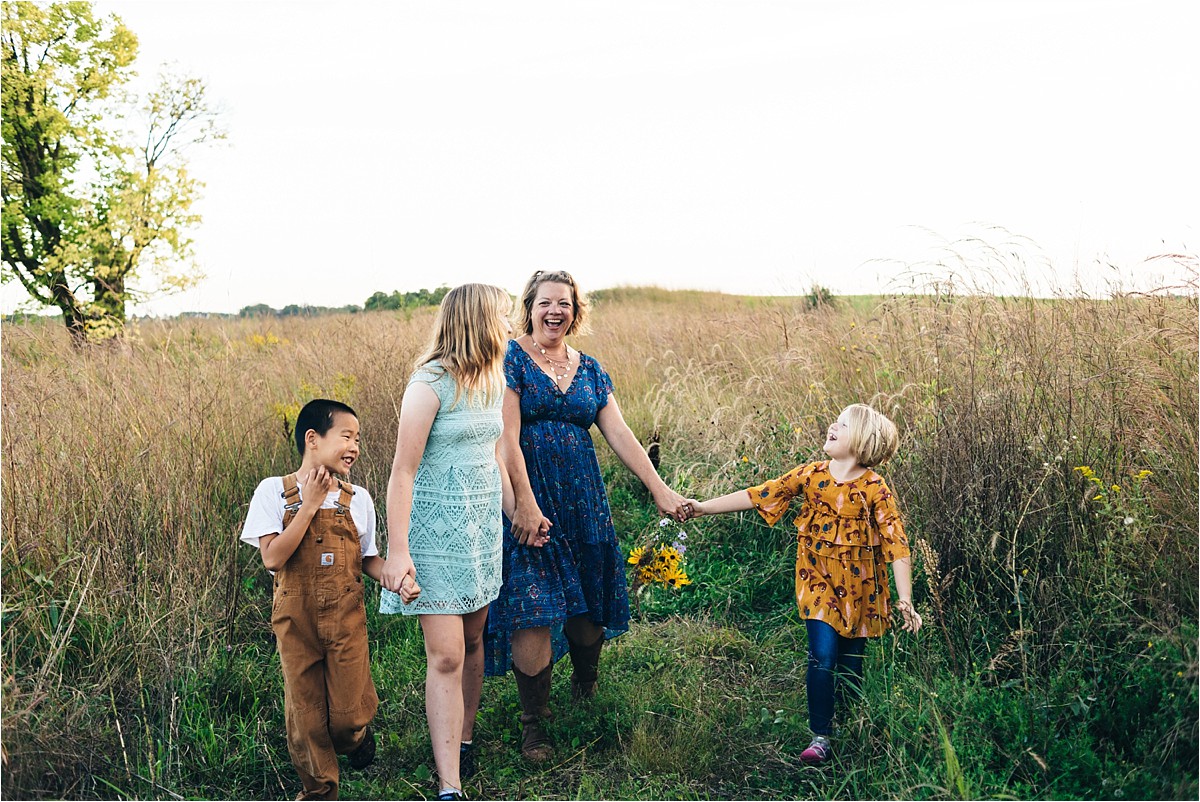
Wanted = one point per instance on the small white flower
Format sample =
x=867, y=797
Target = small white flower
x=1128, y=520
x=665, y=522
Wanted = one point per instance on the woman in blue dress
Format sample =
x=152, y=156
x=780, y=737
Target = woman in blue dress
x=564, y=584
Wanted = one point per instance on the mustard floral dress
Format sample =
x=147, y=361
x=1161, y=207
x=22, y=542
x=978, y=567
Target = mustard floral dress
x=847, y=533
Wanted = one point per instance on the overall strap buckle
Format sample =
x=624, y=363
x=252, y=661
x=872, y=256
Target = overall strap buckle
x=291, y=494
x=343, y=499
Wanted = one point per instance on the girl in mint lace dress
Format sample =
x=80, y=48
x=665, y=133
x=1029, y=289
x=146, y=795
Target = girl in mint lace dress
x=444, y=501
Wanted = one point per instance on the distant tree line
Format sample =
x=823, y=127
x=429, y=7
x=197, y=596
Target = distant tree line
x=406, y=300
x=379, y=301
x=295, y=310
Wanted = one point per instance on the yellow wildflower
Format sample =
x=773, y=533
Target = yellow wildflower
x=676, y=579
x=1116, y=488
x=636, y=555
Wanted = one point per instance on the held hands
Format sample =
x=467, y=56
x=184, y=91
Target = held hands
x=671, y=503
x=912, y=619
x=530, y=527
x=399, y=575
x=691, y=509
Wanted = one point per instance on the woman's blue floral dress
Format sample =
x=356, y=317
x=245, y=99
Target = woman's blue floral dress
x=580, y=571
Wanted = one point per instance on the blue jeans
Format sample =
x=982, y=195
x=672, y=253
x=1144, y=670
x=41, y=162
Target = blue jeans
x=831, y=655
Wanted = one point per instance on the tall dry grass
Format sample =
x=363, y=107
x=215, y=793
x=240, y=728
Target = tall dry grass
x=125, y=480
x=126, y=475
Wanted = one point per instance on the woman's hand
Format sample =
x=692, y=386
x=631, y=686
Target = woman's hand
x=399, y=575
x=912, y=619
x=671, y=503
x=529, y=526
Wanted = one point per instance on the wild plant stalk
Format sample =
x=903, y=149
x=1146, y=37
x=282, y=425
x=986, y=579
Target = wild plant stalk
x=126, y=476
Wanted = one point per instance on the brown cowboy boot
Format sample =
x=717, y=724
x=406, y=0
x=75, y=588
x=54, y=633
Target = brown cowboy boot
x=586, y=661
x=535, y=697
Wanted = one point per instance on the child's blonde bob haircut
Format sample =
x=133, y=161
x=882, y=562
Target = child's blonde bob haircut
x=524, y=322
x=469, y=336
x=873, y=437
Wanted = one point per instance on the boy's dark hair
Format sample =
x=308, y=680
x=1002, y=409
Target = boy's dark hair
x=318, y=416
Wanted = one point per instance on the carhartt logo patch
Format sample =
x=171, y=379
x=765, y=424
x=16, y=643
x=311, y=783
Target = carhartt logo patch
x=327, y=558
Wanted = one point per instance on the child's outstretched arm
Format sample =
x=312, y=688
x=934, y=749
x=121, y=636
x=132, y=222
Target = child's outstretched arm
x=737, y=501
x=902, y=571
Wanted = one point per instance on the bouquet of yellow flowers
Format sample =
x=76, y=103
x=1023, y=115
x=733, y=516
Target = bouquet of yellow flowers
x=660, y=563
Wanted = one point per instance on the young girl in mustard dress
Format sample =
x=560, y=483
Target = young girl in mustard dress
x=848, y=530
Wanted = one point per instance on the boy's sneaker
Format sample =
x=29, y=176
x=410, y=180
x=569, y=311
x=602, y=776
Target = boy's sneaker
x=817, y=752
x=364, y=755
x=466, y=760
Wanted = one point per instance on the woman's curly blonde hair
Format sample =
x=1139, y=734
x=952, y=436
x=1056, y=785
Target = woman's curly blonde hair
x=524, y=321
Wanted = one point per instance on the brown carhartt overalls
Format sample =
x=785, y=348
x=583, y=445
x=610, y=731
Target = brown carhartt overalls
x=321, y=631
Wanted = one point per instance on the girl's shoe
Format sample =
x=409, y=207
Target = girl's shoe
x=818, y=751
x=451, y=794
x=466, y=760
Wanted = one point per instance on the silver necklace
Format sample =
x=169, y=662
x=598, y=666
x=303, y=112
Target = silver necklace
x=555, y=365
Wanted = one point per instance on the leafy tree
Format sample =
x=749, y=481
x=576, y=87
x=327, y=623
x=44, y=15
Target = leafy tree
x=256, y=310
x=405, y=300
x=87, y=205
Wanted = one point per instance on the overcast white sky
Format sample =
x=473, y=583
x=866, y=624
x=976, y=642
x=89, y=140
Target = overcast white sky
x=749, y=147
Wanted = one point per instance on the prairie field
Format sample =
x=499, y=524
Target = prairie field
x=1047, y=472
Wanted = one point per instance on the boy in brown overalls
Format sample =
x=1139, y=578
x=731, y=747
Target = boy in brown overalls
x=317, y=535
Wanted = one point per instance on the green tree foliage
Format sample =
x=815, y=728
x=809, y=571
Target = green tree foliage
x=90, y=206
x=405, y=300
x=297, y=310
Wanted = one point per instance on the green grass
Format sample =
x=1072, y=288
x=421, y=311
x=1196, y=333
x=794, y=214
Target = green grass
x=1058, y=660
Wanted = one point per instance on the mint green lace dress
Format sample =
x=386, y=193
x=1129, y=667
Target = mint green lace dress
x=455, y=531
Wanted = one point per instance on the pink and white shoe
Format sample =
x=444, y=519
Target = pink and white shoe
x=818, y=751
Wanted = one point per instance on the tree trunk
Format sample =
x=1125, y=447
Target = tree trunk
x=109, y=294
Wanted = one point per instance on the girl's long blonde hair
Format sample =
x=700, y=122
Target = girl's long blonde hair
x=469, y=336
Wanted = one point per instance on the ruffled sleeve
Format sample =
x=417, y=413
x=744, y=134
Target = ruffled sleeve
x=514, y=377
x=601, y=383
x=885, y=518
x=773, y=498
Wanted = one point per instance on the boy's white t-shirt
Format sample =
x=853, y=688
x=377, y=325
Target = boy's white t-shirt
x=267, y=507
